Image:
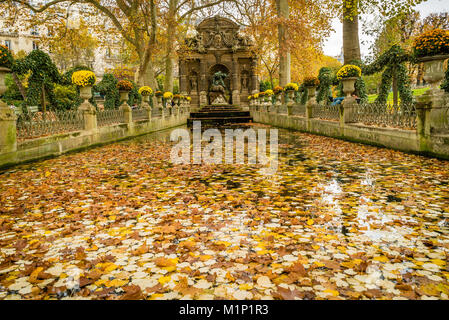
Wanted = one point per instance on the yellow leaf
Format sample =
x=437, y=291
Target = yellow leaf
x=332, y=292
x=381, y=259
x=310, y=222
x=164, y=280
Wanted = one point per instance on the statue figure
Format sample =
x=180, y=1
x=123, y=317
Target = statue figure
x=200, y=44
x=245, y=81
x=193, y=83
x=218, y=79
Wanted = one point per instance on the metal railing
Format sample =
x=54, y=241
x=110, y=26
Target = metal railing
x=327, y=112
x=108, y=117
x=39, y=124
x=402, y=116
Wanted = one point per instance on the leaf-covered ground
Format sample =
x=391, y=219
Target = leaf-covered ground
x=338, y=221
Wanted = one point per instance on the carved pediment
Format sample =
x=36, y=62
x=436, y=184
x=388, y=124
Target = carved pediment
x=217, y=33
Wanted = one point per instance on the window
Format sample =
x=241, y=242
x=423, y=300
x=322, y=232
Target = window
x=8, y=44
x=34, y=31
x=35, y=45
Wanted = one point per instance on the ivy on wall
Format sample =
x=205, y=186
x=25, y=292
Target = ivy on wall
x=107, y=87
x=392, y=63
x=327, y=80
x=42, y=78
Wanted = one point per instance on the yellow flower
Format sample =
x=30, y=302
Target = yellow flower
x=168, y=95
x=145, y=91
x=84, y=78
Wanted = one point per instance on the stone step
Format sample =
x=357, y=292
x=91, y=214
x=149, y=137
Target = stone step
x=220, y=114
x=220, y=120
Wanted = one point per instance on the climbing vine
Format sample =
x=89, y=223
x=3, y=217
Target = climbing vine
x=392, y=63
x=327, y=79
x=107, y=87
x=41, y=81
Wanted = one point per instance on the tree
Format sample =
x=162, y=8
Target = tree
x=41, y=81
x=71, y=46
x=351, y=9
x=284, y=51
x=305, y=29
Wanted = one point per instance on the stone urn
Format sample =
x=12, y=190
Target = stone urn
x=124, y=97
x=85, y=92
x=159, y=102
x=278, y=100
x=349, y=86
x=434, y=70
x=3, y=73
x=6, y=112
x=290, y=96
x=311, y=92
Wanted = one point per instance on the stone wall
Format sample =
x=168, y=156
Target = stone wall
x=56, y=145
x=430, y=138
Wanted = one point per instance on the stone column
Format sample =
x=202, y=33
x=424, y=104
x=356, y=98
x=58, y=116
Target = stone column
x=349, y=105
x=311, y=103
x=146, y=105
x=88, y=110
x=203, y=83
x=254, y=77
x=8, y=141
x=235, y=81
x=433, y=107
x=127, y=111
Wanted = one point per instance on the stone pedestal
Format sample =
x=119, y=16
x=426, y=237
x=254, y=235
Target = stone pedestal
x=236, y=97
x=433, y=106
x=146, y=105
x=203, y=99
x=7, y=120
x=88, y=110
x=127, y=111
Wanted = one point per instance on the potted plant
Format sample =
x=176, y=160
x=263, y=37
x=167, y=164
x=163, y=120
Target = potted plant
x=146, y=92
x=158, y=94
x=290, y=89
x=6, y=61
x=432, y=48
x=348, y=75
x=311, y=83
x=124, y=87
x=278, y=95
x=256, y=101
x=84, y=79
x=176, y=99
x=168, y=97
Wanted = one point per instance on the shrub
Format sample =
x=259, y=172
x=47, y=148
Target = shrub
x=84, y=78
x=158, y=93
x=124, y=85
x=349, y=71
x=291, y=86
x=6, y=58
x=431, y=43
x=311, y=82
x=145, y=91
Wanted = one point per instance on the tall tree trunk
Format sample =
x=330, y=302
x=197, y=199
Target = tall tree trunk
x=169, y=48
x=351, y=41
x=284, y=52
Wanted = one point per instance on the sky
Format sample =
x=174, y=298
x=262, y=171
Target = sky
x=334, y=44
